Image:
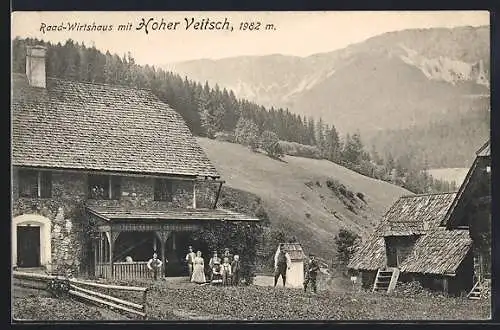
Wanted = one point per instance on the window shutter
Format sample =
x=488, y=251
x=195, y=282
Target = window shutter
x=116, y=187
x=163, y=190
x=45, y=184
x=168, y=190
x=157, y=195
x=28, y=183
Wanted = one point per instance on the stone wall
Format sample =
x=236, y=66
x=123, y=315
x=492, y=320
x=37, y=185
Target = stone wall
x=138, y=192
x=65, y=209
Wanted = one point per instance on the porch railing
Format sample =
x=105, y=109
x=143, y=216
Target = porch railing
x=124, y=270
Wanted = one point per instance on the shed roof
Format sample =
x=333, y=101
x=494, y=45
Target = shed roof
x=416, y=214
x=294, y=250
x=77, y=125
x=438, y=252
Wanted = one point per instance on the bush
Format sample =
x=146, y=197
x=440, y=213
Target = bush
x=269, y=141
x=242, y=239
x=225, y=136
x=300, y=150
x=361, y=196
x=347, y=242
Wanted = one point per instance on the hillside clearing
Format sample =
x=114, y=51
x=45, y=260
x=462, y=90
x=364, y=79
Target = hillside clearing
x=295, y=195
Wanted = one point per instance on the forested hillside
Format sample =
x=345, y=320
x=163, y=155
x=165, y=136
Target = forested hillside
x=210, y=111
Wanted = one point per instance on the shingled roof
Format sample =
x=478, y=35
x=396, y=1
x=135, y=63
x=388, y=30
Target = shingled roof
x=76, y=125
x=438, y=252
x=409, y=215
x=294, y=250
x=416, y=214
x=371, y=254
x=111, y=213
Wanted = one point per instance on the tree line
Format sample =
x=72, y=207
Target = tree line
x=211, y=111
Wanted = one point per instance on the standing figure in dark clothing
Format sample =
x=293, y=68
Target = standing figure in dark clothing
x=154, y=265
x=282, y=262
x=235, y=269
x=311, y=273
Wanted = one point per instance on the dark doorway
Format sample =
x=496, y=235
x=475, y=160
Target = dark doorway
x=28, y=246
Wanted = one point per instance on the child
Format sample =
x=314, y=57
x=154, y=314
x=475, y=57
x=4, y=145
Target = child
x=216, y=273
x=215, y=259
x=227, y=254
x=226, y=272
x=235, y=269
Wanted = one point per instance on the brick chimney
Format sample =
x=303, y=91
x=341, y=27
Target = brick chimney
x=35, y=65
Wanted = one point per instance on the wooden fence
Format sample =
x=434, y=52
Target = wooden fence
x=86, y=290
x=125, y=270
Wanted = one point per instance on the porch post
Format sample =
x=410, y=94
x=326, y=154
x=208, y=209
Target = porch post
x=163, y=236
x=95, y=246
x=112, y=236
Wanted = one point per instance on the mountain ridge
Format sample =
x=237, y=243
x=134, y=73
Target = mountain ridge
x=412, y=77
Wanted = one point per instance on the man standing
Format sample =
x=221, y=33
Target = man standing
x=189, y=260
x=311, y=273
x=282, y=262
x=235, y=269
x=154, y=265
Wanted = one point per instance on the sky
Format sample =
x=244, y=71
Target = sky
x=293, y=33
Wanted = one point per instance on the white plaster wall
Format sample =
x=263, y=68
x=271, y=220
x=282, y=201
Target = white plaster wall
x=295, y=276
x=33, y=220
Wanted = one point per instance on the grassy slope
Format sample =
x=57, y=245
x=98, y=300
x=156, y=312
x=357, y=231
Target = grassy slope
x=189, y=302
x=288, y=200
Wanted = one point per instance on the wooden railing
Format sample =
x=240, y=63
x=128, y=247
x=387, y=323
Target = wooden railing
x=124, y=270
x=87, y=290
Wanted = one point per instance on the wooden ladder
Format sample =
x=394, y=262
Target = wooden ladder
x=386, y=280
x=477, y=290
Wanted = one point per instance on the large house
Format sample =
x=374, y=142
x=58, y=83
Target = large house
x=101, y=172
x=441, y=240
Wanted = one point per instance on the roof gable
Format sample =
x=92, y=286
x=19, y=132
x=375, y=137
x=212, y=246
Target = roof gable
x=484, y=151
x=482, y=157
x=294, y=250
x=416, y=214
x=76, y=125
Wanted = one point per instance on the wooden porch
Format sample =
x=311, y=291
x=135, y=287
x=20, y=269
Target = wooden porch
x=159, y=230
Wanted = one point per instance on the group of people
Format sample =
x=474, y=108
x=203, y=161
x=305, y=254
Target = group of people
x=282, y=263
x=225, y=270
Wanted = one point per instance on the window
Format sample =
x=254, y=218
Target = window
x=35, y=184
x=163, y=190
x=104, y=187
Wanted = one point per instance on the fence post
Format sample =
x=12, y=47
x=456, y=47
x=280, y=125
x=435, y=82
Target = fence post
x=144, y=301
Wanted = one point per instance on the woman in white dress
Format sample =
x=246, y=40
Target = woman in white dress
x=198, y=269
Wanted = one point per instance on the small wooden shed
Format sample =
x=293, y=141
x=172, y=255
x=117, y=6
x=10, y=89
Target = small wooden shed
x=295, y=275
